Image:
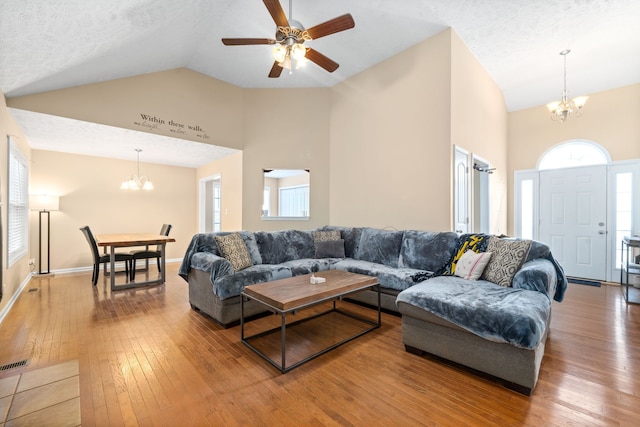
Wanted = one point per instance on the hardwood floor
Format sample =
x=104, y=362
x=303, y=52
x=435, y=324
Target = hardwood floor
x=146, y=358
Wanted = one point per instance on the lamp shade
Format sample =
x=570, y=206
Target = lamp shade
x=44, y=202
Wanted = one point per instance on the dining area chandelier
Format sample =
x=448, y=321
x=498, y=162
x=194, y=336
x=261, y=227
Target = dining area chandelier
x=137, y=182
x=565, y=108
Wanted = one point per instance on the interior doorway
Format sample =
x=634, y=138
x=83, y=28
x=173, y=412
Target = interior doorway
x=471, y=201
x=210, y=204
x=480, y=220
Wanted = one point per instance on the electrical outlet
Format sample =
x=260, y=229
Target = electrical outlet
x=32, y=261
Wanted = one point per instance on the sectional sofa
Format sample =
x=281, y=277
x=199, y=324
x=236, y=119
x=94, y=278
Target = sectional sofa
x=472, y=299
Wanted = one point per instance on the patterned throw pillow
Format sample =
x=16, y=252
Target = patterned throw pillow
x=471, y=265
x=233, y=248
x=507, y=258
x=325, y=236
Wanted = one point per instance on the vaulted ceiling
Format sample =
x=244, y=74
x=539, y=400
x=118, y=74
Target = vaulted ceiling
x=54, y=44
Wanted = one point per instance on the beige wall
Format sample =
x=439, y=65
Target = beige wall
x=286, y=129
x=390, y=142
x=229, y=169
x=611, y=119
x=13, y=276
x=479, y=125
x=180, y=95
x=393, y=128
x=90, y=194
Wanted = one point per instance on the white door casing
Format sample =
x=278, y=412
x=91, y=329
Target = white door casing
x=573, y=219
x=461, y=190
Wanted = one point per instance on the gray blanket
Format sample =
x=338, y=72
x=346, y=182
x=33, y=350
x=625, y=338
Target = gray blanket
x=516, y=316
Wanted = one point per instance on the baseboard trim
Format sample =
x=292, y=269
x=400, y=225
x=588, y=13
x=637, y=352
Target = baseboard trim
x=14, y=297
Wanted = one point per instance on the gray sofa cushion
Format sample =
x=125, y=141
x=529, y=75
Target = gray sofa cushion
x=388, y=277
x=537, y=275
x=379, y=246
x=426, y=250
x=515, y=316
x=231, y=285
x=277, y=247
x=213, y=264
x=309, y=265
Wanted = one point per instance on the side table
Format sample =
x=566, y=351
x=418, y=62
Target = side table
x=630, y=268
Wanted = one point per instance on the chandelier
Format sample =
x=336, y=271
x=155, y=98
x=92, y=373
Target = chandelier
x=137, y=182
x=289, y=48
x=564, y=108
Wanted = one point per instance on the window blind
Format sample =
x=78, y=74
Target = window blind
x=18, y=209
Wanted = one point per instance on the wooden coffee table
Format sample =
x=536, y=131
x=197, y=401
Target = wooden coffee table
x=290, y=295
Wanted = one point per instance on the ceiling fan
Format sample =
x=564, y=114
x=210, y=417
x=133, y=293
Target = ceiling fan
x=290, y=37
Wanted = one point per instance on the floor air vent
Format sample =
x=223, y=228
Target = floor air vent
x=14, y=365
x=32, y=290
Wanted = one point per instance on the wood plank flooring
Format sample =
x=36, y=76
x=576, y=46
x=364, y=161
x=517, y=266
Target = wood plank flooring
x=147, y=359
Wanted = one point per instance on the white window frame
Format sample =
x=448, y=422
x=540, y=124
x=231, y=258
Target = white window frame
x=297, y=195
x=624, y=166
x=519, y=177
x=17, y=204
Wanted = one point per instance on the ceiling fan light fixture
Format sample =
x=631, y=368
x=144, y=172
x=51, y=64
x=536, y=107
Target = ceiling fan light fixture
x=288, y=43
x=279, y=53
x=298, y=51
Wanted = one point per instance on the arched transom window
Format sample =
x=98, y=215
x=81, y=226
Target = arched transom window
x=574, y=153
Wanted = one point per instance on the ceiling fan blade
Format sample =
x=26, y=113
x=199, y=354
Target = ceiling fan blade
x=276, y=70
x=321, y=60
x=243, y=42
x=274, y=8
x=332, y=26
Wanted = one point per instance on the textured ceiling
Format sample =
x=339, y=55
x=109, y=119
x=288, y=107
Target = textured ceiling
x=54, y=44
x=53, y=133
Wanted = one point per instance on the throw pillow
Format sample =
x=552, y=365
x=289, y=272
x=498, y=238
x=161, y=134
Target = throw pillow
x=469, y=241
x=330, y=248
x=471, y=265
x=325, y=236
x=233, y=248
x=507, y=258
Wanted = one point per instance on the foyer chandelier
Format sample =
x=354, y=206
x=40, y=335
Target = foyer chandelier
x=137, y=181
x=561, y=110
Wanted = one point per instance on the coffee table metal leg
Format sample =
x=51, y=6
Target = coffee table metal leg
x=242, y=317
x=284, y=342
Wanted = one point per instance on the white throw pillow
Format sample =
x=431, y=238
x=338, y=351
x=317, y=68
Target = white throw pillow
x=471, y=265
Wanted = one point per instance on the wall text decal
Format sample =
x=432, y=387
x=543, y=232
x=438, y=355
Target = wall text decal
x=155, y=123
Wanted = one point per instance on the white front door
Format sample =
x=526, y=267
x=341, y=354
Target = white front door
x=461, y=191
x=573, y=217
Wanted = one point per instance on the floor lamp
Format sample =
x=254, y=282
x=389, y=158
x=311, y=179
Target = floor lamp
x=44, y=204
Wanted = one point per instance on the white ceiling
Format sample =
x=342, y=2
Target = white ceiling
x=46, y=45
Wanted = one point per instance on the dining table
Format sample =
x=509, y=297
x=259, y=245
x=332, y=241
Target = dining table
x=115, y=241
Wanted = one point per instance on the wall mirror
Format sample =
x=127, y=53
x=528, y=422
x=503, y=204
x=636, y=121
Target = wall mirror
x=285, y=194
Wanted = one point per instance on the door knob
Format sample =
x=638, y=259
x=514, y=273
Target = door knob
x=601, y=231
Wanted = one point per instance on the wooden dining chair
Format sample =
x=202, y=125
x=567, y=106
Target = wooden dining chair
x=148, y=254
x=104, y=258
